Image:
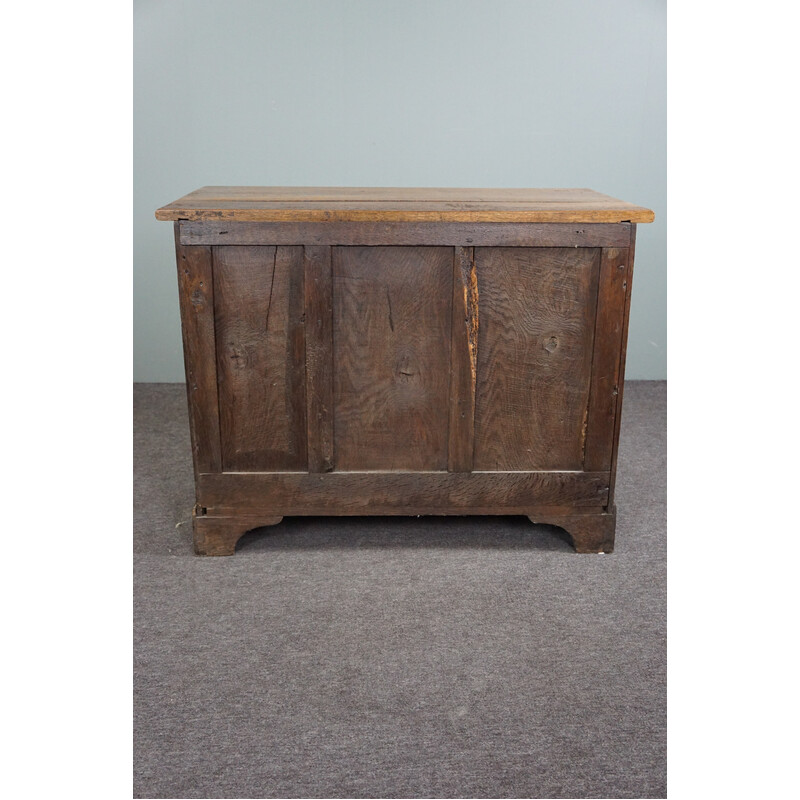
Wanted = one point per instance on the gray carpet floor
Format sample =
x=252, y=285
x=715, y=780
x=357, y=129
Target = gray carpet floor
x=398, y=657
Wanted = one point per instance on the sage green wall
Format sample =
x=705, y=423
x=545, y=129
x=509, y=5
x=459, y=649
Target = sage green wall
x=477, y=93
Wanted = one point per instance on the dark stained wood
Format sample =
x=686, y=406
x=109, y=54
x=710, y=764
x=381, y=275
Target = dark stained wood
x=463, y=361
x=537, y=311
x=498, y=234
x=356, y=493
x=196, y=290
x=404, y=352
x=265, y=203
x=259, y=299
x=391, y=342
x=591, y=533
x=296, y=404
x=623, y=354
x=319, y=357
x=217, y=535
x=606, y=359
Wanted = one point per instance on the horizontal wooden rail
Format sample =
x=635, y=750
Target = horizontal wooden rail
x=301, y=493
x=498, y=234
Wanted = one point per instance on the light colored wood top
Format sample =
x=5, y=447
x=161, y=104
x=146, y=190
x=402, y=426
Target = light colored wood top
x=331, y=203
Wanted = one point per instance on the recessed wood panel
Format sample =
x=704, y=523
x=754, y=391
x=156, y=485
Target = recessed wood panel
x=536, y=328
x=391, y=343
x=259, y=306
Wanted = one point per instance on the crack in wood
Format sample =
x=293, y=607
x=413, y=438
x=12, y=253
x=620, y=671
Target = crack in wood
x=389, y=303
x=464, y=360
x=584, y=429
x=469, y=282
x=271, y=287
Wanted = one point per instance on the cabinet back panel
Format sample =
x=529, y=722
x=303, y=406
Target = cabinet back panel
x=537, y=311
x=391, y=354
x=258, y=300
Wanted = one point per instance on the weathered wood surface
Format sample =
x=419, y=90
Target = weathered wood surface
x=355, y=493
x=319, y=357
x=463, y=361
x=391, y=343
x=253, y=204
x=611, y=301
x=487, y=234
x=217, y=536
x=536, y=311
x=591, y=533
x=623, y=354
x=591, y=528
x=259, y=300
x=196, y=292
x=404, y=351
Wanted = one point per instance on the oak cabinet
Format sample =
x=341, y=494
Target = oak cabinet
x=403, y=351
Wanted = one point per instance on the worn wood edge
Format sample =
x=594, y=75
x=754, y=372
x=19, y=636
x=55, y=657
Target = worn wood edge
x=318, y=269
x=448, y=234
x=195, y=268
x=296, y=389
x=605, y=383
x=292, y=493
x=231, y=512
x=404, y=215
x=217, y=535
x=621, y=371
x=463, y=361
x=590, y=533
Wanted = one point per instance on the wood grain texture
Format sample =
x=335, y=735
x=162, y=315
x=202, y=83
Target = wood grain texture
x=404, y=351
x=591, y=533
x=611, y=301
x=253, y=204
x=319, y=357
x=354, y=493
x=497, y=234
x=463, y=361
x=217, y=535
x=623, y=354
x=259, y=299
x=391, y=342
x=537, y=311
x=196, y=291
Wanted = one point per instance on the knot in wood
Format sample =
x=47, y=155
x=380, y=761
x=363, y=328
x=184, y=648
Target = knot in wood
x=406, y=368
x=551, y=344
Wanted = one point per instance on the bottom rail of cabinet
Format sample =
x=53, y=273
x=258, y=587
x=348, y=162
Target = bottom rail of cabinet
x=592, y=529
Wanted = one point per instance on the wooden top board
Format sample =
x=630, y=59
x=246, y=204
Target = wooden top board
x=330, y=203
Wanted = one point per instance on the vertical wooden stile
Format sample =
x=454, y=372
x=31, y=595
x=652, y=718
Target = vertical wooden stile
x=623, y=354
x=603, y=396
x=319, y=357
x=463, y=361
x=196, y=290
x=296, y=403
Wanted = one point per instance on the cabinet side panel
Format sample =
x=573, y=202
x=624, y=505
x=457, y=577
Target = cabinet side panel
x=259, y=300
x=537, y=312
x=391, y=341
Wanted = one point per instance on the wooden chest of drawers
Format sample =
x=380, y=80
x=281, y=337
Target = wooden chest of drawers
x=403, y=351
